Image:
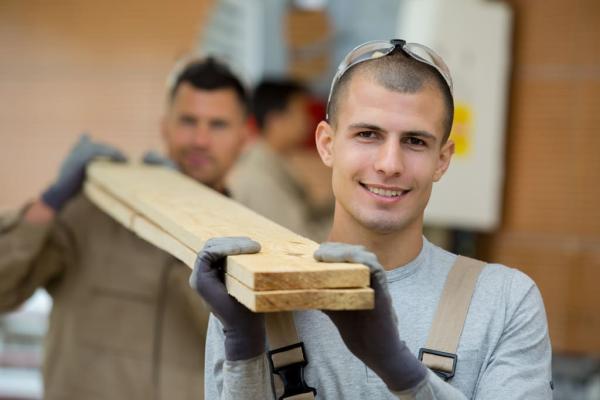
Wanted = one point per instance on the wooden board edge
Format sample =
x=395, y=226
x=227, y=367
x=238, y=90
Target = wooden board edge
x=109, y=204
x=304, y=299
x=161, y=239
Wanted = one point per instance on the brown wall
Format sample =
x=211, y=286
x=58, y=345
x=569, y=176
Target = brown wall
x=73, y=66
x=551, y=227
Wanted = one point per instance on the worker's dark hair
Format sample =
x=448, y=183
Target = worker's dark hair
x=397, y=72
x=209, y=74
x=273, y=95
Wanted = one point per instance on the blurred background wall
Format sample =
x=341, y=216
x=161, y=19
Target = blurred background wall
x=72, y=66
x=551, y=220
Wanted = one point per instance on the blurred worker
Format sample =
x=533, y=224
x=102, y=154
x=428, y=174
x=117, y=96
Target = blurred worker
x=386, y=139
x=124, y=322
x=262, y=180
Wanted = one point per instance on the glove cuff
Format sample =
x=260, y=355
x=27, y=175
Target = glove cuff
x=401, y=370
x=55, y=198
x=245, y=345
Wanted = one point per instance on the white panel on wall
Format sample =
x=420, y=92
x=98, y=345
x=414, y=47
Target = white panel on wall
x=474, y=38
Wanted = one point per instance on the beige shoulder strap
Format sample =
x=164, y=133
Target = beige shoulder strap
x=286, y=352
x=439, y=353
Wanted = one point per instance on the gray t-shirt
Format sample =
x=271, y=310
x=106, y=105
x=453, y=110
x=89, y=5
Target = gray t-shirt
x=504, y=351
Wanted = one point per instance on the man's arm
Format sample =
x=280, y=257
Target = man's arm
x=520, y=366
x=230, y=380
x=21, y=244
x=372, y=335
x=31, y=248
x=236, y=343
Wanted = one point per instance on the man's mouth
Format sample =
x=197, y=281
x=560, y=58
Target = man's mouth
x=390, y=192
x=198, y=159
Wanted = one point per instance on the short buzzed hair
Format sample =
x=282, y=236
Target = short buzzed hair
x=398, y=72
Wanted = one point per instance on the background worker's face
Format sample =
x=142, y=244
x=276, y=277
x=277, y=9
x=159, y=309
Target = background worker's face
x=204, y=132
x=295, y=120
x=287, y=129
x=386, y=151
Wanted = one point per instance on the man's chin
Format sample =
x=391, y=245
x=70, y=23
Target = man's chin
x=383, y=224
x=201, y=176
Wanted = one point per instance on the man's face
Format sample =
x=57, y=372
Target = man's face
x=204, y=132
x=289, y=127
x=296, y=120
x=385, y=152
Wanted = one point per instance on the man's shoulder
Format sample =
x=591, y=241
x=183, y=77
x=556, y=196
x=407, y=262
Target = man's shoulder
x=493, y=277
x=82, y=217
x=515, y=280
x=80, y=209
x=509, y=289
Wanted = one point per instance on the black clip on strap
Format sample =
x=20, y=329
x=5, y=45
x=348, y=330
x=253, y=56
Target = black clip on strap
x=292, y=375
x=445, y=375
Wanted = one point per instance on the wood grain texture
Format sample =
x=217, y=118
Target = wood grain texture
x=282, y=277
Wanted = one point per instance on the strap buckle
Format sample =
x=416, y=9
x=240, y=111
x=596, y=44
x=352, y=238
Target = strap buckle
x=445, y=375
x=292, y=375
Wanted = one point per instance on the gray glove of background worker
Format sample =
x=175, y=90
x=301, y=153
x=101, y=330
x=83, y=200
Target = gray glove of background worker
x=152, y=157
x=72, y=172
x=372, y=335
x=244, y=330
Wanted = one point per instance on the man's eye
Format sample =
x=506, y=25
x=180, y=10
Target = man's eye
x=187, y=121
x=367, y=135
x=413, y=141
x=219, y=124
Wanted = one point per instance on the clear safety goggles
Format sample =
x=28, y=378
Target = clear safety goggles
x=380, y=48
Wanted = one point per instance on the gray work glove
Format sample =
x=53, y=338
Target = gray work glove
x=72, y=172
x=244, y=330
x=372, y=335
x=152, y=157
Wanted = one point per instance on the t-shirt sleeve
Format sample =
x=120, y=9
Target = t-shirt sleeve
x=232, y=380
x=520, y=366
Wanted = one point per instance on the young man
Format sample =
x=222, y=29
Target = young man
x=124, y=322
x=262, y=179
x=386, y=140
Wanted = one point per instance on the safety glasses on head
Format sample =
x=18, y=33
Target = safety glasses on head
x=380, y=48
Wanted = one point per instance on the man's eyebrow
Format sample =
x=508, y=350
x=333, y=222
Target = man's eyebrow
x=219, y=120
x=187, y=117
x=422, y=134
x=375, y=128
x=365, y=126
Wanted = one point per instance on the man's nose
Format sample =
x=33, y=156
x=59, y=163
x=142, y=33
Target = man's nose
x=389, y=160
x=202, y=137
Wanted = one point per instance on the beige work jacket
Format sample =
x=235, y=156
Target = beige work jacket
x=124, y=323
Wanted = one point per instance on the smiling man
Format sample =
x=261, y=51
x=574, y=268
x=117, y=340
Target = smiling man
x=206, y=123
x=386, y=139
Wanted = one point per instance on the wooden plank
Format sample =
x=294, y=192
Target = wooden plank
x=302, y=299
x=259, y=301
x=192, y=213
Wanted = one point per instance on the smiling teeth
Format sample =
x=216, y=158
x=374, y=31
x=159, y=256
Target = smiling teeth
x=383, y=192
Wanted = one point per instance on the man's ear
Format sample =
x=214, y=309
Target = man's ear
x=324, y=136
x=443, y=163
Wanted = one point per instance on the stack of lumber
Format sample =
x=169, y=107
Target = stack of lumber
x=177, y=214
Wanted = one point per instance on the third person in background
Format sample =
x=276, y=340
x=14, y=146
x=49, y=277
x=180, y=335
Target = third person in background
x=263, y=180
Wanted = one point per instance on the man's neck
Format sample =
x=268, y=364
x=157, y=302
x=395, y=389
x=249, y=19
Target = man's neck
x=393, y=249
